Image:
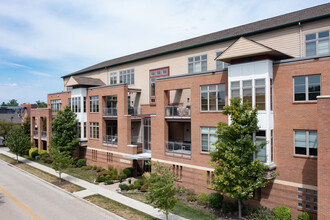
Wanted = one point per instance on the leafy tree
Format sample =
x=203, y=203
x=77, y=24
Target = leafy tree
x=12, y=102
x=27, y=126
x=41, y=104
x=5, y=127
x=236, y=174
x=64, y=131
x=61, y=160
x=162, y=189
x=18, y=142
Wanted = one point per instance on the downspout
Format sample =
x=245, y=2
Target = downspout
x=300, y=36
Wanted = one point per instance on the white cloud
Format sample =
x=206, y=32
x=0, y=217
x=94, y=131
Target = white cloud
x=40, y=73
x=9, y=84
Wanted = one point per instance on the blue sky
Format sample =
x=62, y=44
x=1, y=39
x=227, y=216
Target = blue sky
x=40, y=41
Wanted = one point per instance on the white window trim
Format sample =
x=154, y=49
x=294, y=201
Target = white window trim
x=306, y=88
x=208, y=138
x=208, y=98
x=315, y=40
x=307, y=143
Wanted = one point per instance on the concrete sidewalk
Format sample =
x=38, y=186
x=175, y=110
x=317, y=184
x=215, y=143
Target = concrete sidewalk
x=98, y=189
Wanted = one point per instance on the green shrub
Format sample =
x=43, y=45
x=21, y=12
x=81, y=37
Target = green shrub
x=114, y=176
x=81, y=163
x=105, y=173
x=282, y=213
x=138, y=184
x=100, y=179
x=128, y=171
x=202, y=199
x=99, y=169
x=215, y=200
x=33, y=152
x=190, y=192
x=94, y=167
x=191, y=198
x=46, y=158
x=42, y=152
x=123, y=186
x=229, y=207
x=129, y=181
x=87, y=167
x=108, y=182
x=130, y=186
x=260, y=213
x=305, y=216
x=122, y=176
x=145, y=187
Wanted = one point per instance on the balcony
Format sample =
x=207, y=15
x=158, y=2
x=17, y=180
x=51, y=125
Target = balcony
x=110, y=140
x=43, y=134
x=110, y=112
x=177, y=112
x=178, y=149
x=134, y=111
x=35, y=134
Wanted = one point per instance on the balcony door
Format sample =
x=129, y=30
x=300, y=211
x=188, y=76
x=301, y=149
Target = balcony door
x=146, y=133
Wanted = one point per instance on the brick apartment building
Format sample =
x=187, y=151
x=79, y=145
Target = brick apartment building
x=163, y=105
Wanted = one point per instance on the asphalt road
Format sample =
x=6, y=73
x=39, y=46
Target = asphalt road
x=23, y=197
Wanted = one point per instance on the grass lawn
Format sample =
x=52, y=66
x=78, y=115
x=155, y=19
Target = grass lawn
x=70, y=187
x=117, y=208
x=181, y=208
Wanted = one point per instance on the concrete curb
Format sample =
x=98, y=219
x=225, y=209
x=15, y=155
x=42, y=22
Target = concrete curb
x=111, y=215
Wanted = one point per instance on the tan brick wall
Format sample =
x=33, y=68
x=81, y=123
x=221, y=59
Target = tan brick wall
x=323, y=160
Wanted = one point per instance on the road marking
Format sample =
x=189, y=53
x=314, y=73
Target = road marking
x=20, y=204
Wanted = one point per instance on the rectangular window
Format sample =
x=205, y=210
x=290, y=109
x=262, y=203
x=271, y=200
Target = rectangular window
x=197, y=64
x=85, y=130
x=220, y=65
x=127, y=76
x=235, y=89
x=261, y=137
x=213, y=97
x=76, y=104
x=79, y=130
x=208, y=138
x=113, y=78
x=84, y=104
x=109, y=157
x=55, y=105
x=307, y=88
x=94, y=155
x=94, y=130
x=210, y=177
x=247, y=92
x=93, y=104
x=153, y=74
x=317, y=43
x=260, y=91
x=305, y=143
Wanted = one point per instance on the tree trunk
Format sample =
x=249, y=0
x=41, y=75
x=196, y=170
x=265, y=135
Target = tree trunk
x=239, y=209
x=166, y=214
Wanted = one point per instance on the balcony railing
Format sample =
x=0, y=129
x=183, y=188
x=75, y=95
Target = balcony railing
x=110, y=139
x=110, y=112
x=134, y=111
x=177, y=111
x=44, y=134
x=35, y=133
x=136, y=140
x=180, y=149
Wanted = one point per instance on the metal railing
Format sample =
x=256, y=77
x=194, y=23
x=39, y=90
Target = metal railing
x=133, y=111
x=177, y=111
x=136, y=140
x=110, y=139
x=110, y=112
x=178, y=148
x=44, y=134
x=35, y=133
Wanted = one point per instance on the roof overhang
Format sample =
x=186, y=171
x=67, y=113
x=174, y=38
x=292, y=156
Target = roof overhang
x=245, y=48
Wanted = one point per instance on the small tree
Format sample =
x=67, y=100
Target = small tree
x=162, y=189
x=41, y=104
x=5, y=127
x=61, y=160
x=27, y=126
x=236, y=173
x=64, y=127
x=18, y=142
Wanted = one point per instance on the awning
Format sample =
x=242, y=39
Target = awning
x=143, y=156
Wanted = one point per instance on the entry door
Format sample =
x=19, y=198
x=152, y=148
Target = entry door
x=146, y=134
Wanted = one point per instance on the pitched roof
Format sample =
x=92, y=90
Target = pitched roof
x=84, y=81
x=313, y=13
x=244, y=47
